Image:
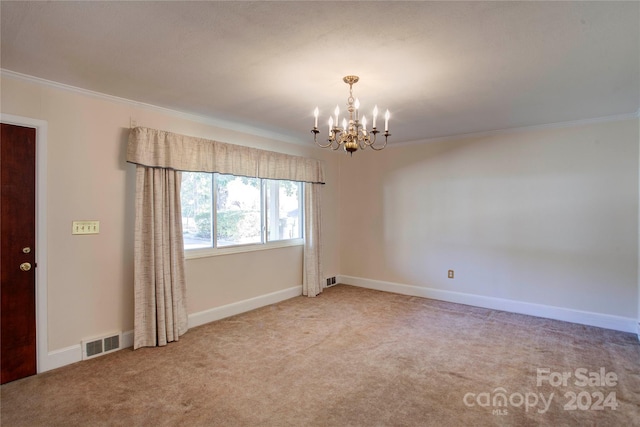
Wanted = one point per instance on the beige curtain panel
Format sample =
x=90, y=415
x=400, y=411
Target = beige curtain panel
x=159, y=280
x=160, y=149
x=312, y=282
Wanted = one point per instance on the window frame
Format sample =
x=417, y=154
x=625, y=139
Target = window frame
x=265, y=244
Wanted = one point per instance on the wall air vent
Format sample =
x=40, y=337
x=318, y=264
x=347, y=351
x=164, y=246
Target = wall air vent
x=93, y=348
x=99, y=346
x=112, y=343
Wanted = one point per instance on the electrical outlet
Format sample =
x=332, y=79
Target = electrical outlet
x=450, y=274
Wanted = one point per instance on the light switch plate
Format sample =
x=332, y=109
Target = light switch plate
x=85, y=227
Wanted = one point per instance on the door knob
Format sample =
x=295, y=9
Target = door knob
x=25, y=266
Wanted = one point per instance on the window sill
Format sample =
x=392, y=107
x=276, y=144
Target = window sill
x=209, y=252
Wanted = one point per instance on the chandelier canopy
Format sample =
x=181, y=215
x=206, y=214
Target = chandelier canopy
x=353, y=134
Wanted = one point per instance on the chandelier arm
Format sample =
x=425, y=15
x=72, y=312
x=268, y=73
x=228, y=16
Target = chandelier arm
x=315, y=139
x=363, y=140
x=386, y=135
x=370, y=141
x=325, y=146
x=338, y=134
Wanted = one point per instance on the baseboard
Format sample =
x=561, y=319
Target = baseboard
x=127, y=339
x=72, y=354
x=600, y=320
x=68, y=355
x=62, y=357
x=217, y=313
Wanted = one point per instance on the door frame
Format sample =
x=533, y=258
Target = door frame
x=42, y=342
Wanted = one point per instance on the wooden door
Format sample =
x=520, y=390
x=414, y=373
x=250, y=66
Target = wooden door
x=17, y=253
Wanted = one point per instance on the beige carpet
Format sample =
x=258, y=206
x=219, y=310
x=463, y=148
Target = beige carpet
x=350, y=357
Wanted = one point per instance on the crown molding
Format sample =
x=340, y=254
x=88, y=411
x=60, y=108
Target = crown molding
x=220, y=123
x=260, y=132
x=506, y=131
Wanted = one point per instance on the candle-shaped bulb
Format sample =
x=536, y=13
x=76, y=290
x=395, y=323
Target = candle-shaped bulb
x=337, y=113
x=344, y=124
x=330, y=124
x=386, y=121
x=364, y=123
x=315, y=115
x=357, y=103
x=375, y=116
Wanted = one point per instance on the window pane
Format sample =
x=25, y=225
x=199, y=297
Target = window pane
x=284, y=211
x=195, y=195
x=238, y=219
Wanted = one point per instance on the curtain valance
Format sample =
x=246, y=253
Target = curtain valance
x=161, y=149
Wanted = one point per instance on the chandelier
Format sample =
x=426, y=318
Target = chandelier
x=353, y=134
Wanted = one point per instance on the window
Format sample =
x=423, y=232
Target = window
x=221, y=211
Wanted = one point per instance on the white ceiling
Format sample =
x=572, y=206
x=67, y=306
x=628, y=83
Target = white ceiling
x=442, y=68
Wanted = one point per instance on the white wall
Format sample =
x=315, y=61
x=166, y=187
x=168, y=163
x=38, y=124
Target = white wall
x=545, y=217
x=90, y=278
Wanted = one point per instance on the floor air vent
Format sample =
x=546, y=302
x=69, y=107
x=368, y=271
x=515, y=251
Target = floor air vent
x=98, y=346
